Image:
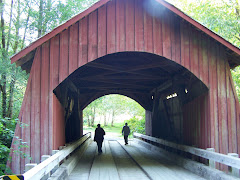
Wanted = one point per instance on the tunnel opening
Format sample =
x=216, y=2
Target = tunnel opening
x=112, y=112
x=166, y=90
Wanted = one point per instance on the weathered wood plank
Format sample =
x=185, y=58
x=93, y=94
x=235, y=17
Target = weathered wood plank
x=92, y=36
x=64, y=55
x=44, y=115
x=120, y=26
x=139, y=29
x=102, y=31
x=166, y=34
x=111, y=27
x=83, y=42
x=36, y=109
x=73, y=47
x=54, y=74
x=130, y=34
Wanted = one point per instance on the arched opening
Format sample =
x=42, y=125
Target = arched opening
x=112, y=112
x=161, y=86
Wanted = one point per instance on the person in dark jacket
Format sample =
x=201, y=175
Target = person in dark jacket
x=126, y=132
x=98, y=137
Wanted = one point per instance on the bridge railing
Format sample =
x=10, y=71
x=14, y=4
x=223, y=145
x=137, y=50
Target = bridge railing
x=45, y=167
x=232, y=162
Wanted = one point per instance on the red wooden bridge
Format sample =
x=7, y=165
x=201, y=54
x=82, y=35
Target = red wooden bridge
x=146, y=50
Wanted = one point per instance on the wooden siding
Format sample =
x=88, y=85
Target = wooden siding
x=211, y=120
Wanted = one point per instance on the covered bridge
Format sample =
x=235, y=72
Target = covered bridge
x=147, y=50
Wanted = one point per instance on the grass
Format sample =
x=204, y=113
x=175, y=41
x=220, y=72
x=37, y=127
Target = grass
x=115, y=130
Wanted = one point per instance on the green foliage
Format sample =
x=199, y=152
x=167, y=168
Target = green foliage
x=136, y=125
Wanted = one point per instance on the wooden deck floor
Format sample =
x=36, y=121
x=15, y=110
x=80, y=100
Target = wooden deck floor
x=130, y=162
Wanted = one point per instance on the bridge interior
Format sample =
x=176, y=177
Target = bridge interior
x=133, y=161
x=147, y=78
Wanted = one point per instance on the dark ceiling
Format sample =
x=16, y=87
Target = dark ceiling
x=138, y=75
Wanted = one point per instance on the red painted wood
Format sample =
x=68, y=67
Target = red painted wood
x=120, y=26
x=58, y=124
x=199, y=26
x=194, y=51
x=36, y=109
x=139, y=29
x=54, y=74
x=57, y=30
x=44, y=115
x=130, y=41
x=172, y=35
x=111, y=27
x=177, y=40
x=148, y=31
x=102, y=31
x=92, y=37
x=73, y=47
x=166, y=32
x=64, y=55
x=83, y=41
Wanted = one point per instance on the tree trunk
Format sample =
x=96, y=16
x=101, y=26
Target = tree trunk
x=105, y=120
x=40, y=18
x=112, y=123
x=10, y=26
x=3, y=75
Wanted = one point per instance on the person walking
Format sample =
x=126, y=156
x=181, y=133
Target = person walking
x=98, y=137
x=125, y=133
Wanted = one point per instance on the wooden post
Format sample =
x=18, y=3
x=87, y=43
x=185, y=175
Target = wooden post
x=44, y=157
x=29, y=166
x=56, y=167
x=211, y=163
x=233, y=171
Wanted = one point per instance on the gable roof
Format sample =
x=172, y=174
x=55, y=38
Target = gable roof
x=27, y=54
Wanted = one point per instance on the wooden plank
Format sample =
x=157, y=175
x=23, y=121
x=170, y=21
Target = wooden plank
x=46, y=166
x=172, y=35
x=194, y=53
x=222, y=104
x=203, y=60
x=148, y=30
x=120, y=26
x=222, y=158
x=186, y=47
x=111, y=27
x=44, y=102
x=177, y=41
x=92, y=36
x=83, y=42
x=130, y=34
x=229, y=114
x=73, y=47
x=166, y=34
x=64, y=55
x=102, y=31
x=139, y=39
x=36, y=109
x=54, y=74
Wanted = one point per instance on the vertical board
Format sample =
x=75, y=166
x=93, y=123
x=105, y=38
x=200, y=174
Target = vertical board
x=139, y=40
x=102, y=31
x=35, y=107
x=54, y=81
x=194, y=53
x=92, y=36
x=83, y=42
x=120, y=26
x=204, y=58
x=177, y=40
x=111, y=27
x=185, y=49
x=44, y=98
x=73, y=48
x=148, y=29
x=166, y=32
x=64, y=55
x=130, y=34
